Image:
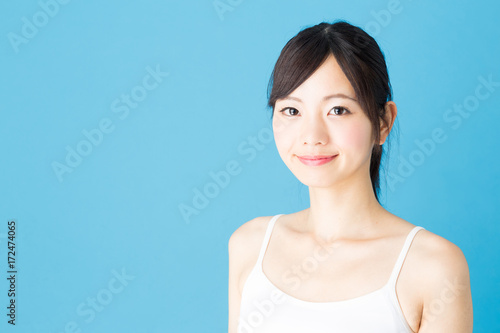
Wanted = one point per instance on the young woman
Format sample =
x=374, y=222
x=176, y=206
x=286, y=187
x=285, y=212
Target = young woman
x=345, y=264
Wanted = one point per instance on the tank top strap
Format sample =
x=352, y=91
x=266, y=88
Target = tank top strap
x=402, y=255
x=267, y=236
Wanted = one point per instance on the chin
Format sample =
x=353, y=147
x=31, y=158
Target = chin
x=317, y=180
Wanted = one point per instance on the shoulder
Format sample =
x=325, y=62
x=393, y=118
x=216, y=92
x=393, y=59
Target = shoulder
x=441, y=256
x=434, y=253
x=243, y=247
x=434, y=262
x=444, y=281
x=248, y=236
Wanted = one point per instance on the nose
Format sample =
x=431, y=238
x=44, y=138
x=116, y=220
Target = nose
x=314, y=131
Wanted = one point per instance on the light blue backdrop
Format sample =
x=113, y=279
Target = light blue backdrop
x=116, y=115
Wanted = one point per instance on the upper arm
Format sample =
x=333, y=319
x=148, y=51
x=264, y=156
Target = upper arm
x=447, y=297
x=240, y=247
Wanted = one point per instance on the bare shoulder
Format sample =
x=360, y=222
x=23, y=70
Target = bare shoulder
x=434, y=253
x=442, y=275
x=244, y=245
x=248, y=237
x=440, y=255
x=243, y=248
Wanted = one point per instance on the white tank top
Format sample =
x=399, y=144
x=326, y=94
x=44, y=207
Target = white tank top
x=266, y=309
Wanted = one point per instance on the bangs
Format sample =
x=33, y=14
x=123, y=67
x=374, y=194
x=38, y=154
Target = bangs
x=298, y=60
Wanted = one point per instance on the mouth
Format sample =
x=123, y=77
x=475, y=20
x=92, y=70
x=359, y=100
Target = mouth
x=315, y=160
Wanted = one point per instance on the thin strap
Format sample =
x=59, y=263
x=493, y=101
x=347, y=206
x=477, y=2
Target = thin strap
x=402, y=255
x=265, y=242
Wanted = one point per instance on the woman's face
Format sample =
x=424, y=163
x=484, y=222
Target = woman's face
x=322, y=117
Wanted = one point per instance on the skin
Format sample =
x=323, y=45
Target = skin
x=433, y=287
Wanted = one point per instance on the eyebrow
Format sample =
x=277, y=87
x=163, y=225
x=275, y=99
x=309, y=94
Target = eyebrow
x=324, y=98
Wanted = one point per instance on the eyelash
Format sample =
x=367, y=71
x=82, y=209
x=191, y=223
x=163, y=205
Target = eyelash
x=335, y=107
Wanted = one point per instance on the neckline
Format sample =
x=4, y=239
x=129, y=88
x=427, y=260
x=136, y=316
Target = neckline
x=392, y=277
x=334, y=304
x=329, y=303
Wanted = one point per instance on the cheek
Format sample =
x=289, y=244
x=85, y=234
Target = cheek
x=355, y=136
x=282, y=135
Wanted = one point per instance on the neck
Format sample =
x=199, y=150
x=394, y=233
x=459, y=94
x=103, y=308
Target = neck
x=343, y=211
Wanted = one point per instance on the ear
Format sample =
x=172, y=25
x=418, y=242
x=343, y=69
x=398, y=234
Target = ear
x=391, y=112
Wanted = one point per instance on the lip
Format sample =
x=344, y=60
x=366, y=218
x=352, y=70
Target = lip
x=315, y=160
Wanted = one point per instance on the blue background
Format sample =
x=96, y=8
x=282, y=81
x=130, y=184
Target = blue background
x=119, y=209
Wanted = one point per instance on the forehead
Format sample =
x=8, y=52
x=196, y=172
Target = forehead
x=328, y=79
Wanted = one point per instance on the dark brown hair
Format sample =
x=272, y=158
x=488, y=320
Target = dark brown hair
x=359, y=57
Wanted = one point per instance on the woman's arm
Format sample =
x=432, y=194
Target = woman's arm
x=243, y=249
x=447, y=298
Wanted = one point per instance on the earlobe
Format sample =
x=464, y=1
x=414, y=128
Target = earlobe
x=383, y=135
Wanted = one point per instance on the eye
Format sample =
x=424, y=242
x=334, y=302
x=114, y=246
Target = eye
x=284, y=109
x=340, y=110
x=337, y=110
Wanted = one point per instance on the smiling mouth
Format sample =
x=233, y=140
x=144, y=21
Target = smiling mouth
x=315, y=157
x=315, y=160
